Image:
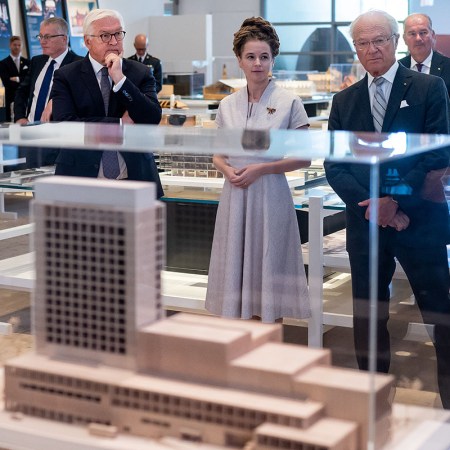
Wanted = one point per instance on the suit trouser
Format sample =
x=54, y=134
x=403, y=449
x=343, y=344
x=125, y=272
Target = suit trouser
x=428, y=274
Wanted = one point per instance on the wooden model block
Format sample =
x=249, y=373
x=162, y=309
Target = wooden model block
x=326, y=434
x=346, y=395
x=189, y=350
x=259, y=332
x=272, y=367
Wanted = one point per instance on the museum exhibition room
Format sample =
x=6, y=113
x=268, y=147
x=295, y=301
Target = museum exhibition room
x=224, y=224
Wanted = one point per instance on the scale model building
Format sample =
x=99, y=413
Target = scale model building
x=106, y=358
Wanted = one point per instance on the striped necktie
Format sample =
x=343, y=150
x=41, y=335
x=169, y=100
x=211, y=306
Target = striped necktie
x=110, y=160
x=379, y=104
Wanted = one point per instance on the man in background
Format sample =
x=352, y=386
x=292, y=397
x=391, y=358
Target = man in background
x=13, y=70
x=31, y=100
x=104, y=87
x=420, y=38
x=141, y=44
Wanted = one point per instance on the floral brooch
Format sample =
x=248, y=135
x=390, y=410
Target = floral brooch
x=270, y=110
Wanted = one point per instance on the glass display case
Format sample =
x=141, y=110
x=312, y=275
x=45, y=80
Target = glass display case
x=376, y=155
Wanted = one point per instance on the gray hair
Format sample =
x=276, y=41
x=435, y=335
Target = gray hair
x=97, y=14
x=375, y=12
x=61, y=24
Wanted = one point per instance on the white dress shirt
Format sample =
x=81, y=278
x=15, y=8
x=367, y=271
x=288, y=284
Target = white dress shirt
x=40, y=79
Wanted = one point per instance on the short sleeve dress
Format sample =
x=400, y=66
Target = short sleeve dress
x=256, y=266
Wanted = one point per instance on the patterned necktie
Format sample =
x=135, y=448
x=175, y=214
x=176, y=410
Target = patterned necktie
x=419, y=67
x=110, y=160
x=105, y=87
x=43, y=92
x=379, y=104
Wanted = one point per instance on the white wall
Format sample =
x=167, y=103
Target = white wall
x=135, y=14
x=16, y=22
x=227, y=17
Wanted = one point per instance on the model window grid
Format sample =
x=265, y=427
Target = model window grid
x=85, y=260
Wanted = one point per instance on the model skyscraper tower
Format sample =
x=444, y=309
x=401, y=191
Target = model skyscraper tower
x=99, y=251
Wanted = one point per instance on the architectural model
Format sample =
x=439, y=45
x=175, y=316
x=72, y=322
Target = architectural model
x=107, y=360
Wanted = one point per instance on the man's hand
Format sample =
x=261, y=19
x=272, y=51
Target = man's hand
x=126, y=119
x=400, y=221
x=23, y=121
x=387, y=208
x=114, y=65
x=47, y=113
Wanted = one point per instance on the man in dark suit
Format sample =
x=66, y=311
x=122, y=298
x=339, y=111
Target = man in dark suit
x=141, y=55
x=54, y=39
x=420, y=38
x=411, y=228
x=79, y=94
x=13, y=70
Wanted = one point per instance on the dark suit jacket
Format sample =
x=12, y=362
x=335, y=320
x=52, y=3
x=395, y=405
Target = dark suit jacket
x=8, y=69
x=155, y=67
x=24, y=94
x=440, y=66
x=77, y=97
x=428, y=112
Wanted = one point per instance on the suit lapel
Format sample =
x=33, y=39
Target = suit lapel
x=402, y=82
x=40, y=63
x=12, y=66
x=89, y=80
x=364, y=106
x=436, y=65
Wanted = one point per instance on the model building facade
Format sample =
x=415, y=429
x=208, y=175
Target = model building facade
x=105, y=355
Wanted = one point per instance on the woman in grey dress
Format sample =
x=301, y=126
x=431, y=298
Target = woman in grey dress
x=256, y=268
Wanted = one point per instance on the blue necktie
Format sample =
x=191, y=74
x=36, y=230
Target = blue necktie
x=110, y=159
x=43, y=92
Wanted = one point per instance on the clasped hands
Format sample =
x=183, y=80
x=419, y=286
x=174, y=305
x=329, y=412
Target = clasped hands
x=244, y=176
x=389, y=214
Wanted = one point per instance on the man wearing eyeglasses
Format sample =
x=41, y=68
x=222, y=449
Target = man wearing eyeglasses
x=141, y=44
x=420, y=38
x=411, y=227
x=105, y=87
x=31, y=100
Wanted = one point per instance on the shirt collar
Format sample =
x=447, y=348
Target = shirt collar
x=426, y=62
x=389, y=75
x=59, y=59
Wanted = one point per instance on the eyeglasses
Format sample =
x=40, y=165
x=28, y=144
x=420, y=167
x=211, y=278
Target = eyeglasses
x=46, y=37
x=377, y=43
x=106, y=37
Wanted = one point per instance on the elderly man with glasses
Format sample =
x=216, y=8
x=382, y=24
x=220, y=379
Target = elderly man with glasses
x=31, y=100
x=411, y=227
x=105, y=87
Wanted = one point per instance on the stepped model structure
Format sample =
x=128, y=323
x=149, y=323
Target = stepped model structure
x=107, y=360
